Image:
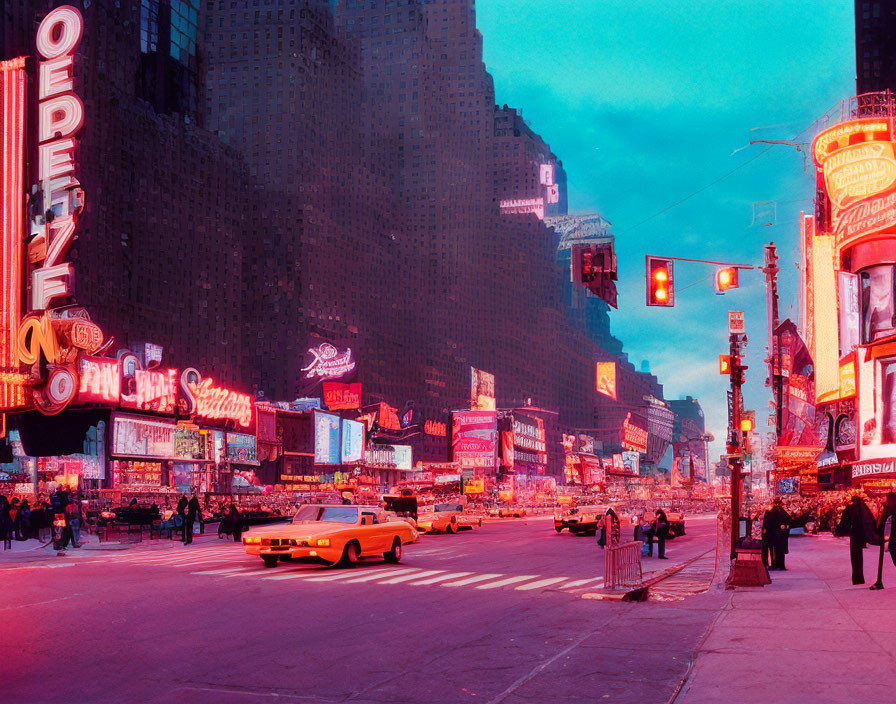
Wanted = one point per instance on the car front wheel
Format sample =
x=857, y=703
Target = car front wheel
x=270, y=560
x=350, y=555
x=394, y=555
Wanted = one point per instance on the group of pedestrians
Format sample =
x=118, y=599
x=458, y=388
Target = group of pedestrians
x=646, y=531
x=859, y=525
x=20, y=521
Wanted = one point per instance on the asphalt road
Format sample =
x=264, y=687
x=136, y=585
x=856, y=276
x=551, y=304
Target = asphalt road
x=495, y=615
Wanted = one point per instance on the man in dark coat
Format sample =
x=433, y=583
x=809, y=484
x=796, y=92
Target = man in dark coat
x=857, y=522
x=192, y=515
x=768, y=542
x=661, y=530
x=779, y=522
x=888, y=512
x=181, y=511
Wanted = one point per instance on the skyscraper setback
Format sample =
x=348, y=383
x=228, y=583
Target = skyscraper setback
x=262, y=178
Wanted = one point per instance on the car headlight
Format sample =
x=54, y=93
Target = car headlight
x=252, y=541
x=322, y=542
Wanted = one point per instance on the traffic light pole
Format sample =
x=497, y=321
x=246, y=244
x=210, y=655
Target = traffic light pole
x=735, y=462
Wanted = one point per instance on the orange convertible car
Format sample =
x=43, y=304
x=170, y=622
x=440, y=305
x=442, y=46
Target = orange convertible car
x=331, y=535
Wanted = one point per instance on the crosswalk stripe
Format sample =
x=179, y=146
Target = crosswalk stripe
x=291, y=575
x=408, y=577
x=582, y=582
x=223, y=571
x=441, y=578
x=541, y=583
x=471, y=580
x=505, y=582
x=331, y=577
x=247, y=573
x=379, y=574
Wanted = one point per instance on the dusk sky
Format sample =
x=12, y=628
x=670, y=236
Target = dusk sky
x=647, y=103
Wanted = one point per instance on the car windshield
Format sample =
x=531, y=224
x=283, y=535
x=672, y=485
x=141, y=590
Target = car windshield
x=328, y=514
x=448, y=507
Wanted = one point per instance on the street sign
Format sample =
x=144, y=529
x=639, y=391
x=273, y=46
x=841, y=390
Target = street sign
x=736, y=322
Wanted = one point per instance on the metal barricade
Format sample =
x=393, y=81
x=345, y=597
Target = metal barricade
x=622, y=566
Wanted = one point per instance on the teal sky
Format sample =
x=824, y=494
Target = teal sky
x=648, y=102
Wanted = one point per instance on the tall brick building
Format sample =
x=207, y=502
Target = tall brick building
x=262, y=177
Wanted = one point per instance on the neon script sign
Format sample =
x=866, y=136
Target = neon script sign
x=215, y=402
x=61, y=114
x=328, y=363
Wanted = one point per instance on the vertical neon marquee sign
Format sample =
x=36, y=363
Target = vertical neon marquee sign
x=61, y=114
x=12, y=217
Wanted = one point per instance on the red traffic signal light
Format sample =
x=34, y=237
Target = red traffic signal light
x=726, y=279
x=660, y=283
x=724, y=364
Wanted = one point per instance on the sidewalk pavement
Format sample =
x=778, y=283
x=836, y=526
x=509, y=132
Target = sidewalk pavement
x=810, y=636
x=26, y=550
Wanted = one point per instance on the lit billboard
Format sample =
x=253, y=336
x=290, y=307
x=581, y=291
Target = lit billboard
x=606, y=379
x=482, y=390
x=327, y=449
x=474, y=439
x=352, y=441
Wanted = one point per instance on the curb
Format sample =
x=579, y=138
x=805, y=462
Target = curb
x=641, y=593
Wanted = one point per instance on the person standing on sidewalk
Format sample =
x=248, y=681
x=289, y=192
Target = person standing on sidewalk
x=661, y=529
x=857, y=523
x=192, y=514
x=5, y=524
x=181, y=511
x=888, y=512
x=73, y=518
x=780, y=532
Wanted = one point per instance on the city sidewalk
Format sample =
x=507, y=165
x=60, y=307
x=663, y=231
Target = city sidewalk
x=810, y=636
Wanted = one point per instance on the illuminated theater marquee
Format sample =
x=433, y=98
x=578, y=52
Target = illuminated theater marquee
x=858, y=162
x=60, y=114
x=215, y=402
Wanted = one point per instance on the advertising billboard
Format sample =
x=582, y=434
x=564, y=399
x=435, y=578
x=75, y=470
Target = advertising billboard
x=339, y=396
x=482, y=390
x=241, y=448
x=474, y=439
x=352, y=441
x=858, y=165
x=634, y=433
x=606, y=379
x=139, y=437
x=327, y=449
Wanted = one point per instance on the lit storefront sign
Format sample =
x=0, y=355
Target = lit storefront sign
x=634, y=434
x=859, y=167
x=876, y=468
x=100, y=381
x=12, y=193
x=432, y=427
x=339, y=396
x=389, y=457
x=138, y=437
x=205, y=400
x=328, y=363
x=240, y=448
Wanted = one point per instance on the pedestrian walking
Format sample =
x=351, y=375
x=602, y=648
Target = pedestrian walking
x=768, y=539
x=857, y=523
x=888, y=513
x=661, y=531
x=237, y=523
x=779, y=526
x=181, y=511
x=73, y=519
x=193, y=513
x=5, y=523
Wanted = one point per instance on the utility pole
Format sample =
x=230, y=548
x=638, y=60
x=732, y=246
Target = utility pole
x=774, y=347
x=735, y=450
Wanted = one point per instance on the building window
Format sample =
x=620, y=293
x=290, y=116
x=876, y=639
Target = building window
x=878, y=312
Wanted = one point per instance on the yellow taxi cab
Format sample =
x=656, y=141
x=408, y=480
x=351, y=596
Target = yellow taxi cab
x=437, y=519
x=580, y=520
x=332, y=535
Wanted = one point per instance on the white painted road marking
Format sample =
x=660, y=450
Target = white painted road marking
x=442, y=578
x=471, y=580
x=408, y=577
x=509, y=580
x=541, y=583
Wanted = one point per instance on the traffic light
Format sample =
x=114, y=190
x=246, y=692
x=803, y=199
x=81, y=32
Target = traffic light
x=746, y=425
x=660, y=282
x=725, y=279
x=724, y=364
